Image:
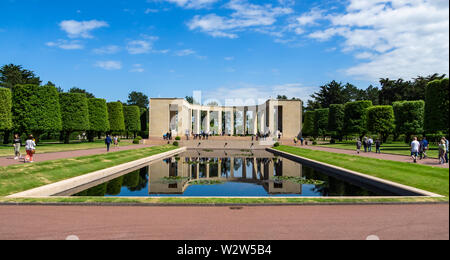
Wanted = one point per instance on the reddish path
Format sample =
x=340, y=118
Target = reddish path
x=206, y=223
x=6, y=161
x=383, y=156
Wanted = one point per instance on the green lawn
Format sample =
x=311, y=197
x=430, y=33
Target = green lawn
x=433, y=179
x=17, y=178
x=399, y=148
x=8, y=150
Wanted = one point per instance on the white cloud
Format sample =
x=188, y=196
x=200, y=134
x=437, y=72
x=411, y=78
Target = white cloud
x=139, y=47
x=185, y=52
x=137, y=68
x=248, y=94
x=191, y=4
x=396, y=39
x=245, y=16
x=228, y=58
x=109, y=65
x=82, y=29
x=66, y=45
x=110, y=49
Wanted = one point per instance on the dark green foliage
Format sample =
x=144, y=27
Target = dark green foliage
x=176, y=143
x=116, y=117
x=355, y=118
x=98, y=115
x=114, y=186
x=138, y=99
x=5, y=109
x=321, y=121
x=380, y=120
x=409, y=117
x=144, y=119
x=437, y=107
x=36, y=109
x=74, y=112
x=308, y=125
x=336, y=119
x=132, y=115
x=11, y=75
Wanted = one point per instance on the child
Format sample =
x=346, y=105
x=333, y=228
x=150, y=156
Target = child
x=30, y=147
x=358, y=146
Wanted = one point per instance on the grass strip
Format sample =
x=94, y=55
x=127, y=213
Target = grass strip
x=433, y=179
x=17, y=178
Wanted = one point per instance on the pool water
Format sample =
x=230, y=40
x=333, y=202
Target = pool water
x=228, y=174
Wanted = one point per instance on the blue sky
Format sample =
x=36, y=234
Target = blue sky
x=238, y=49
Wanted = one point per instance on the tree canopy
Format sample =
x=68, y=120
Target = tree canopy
x=138, y=99
x=11, y=75
x=5, y=109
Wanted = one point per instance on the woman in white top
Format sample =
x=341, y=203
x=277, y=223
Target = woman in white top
x=30, y=147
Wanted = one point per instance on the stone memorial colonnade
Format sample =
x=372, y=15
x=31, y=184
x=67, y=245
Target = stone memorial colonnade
x=180, y=117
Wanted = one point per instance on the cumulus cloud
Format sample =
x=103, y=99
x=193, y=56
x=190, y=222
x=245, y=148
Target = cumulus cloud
x=398, y=38
x=191, y=4
x=245, y=16
x=110, y=49
x=141, y=46
x=76, y=29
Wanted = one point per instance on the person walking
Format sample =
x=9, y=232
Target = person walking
x=358, y=146
x=116, y=142
x=302, y=140
x=17, y=143
x=426, y=147
x=378, y=146
x=442, y=151
x=108, y=142
x=421, y=149
x=446, y=149
x=415, y=149
x=30, y=147
x=365, y=143
x=370, y=144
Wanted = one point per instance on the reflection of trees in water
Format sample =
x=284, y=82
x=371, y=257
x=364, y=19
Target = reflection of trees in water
x=237, y=163
x=333, y=186
x=134, y=181
x=226, y=166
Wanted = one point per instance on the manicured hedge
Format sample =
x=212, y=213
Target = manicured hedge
x=116, y=117
x=321, y=122
x=132, y=116
x=308, y=124
x=74, y=112
x=437, y=106
x=355, y=119
x=36, y=109
x=380, y=120
x=5, y=109
x=409, y=117
x=98, y=115
x=336, y=119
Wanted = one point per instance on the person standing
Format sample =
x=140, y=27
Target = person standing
x=415, y=145
x=17, y=143
x=446, y=149
x=30, y=147
x=378, y=146
x=116, y=142
x=302, y=140
x=365, y=143
x=108, y=142
x=358, y=146
x=442, y=151
x=370, y=144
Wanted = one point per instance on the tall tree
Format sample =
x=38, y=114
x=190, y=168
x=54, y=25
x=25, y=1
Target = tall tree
x=321, y=122
x=308, y=125
x=116, y=117
x=11, y=75
x=138, y=99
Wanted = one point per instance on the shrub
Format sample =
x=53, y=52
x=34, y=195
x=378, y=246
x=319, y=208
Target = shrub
x=98, y=117
x=178, y=138
x=314, y=143
x=409, y=117
x=176, y=143
x=380, y=120
x=132, y=115
x=276, y=144
x=336, y=120
x=321, y=122
x=139, y=138
x=136, y=141
x=308, y=125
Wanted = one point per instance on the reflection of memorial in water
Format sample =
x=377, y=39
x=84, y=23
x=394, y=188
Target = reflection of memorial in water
x=240, y=167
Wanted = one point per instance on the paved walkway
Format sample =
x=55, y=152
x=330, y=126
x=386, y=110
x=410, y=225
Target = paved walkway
x=388, y=222
x=391, y=157
x=6, y=161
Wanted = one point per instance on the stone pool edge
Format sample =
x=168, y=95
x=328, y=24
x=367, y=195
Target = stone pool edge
x=360, y=177
x=61, y=186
